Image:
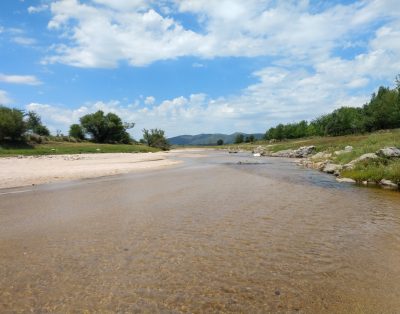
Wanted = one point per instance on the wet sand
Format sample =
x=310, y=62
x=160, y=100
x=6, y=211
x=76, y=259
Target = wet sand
x=207, y=235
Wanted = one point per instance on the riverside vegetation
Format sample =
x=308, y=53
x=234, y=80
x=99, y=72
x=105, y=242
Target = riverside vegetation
x=340, y=155
x=24, y=134
x=356, y=144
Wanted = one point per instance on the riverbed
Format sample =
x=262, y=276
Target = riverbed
x=217, y=232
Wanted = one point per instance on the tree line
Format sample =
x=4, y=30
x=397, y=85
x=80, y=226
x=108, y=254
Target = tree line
x=18, y=126
x=381, y=112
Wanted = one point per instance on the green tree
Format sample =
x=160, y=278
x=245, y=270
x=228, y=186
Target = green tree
x=345, y=121
x=12, y=124
x=35, y=125
x=107, y=128
x=77, y=132
x=383, y=111
x=220, y=142
x=239, y=139
x=155, y=138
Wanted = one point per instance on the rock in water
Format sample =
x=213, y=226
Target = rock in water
x=345, y=180
x=259, y=150
x=389, y=183
x=331, y=168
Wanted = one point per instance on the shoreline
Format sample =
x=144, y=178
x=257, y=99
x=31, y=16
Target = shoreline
x=25, y=171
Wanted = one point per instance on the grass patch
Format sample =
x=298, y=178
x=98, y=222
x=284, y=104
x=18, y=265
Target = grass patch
x=375, y=170
x=58, y=148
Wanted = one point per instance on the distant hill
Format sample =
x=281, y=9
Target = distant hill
x=208, y=139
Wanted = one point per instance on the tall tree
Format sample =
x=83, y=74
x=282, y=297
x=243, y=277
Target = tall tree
x=107, y=128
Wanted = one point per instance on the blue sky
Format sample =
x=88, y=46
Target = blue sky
x=195, y=66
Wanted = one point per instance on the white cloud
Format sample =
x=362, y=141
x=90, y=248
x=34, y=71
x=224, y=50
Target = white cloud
x=102, y=36
x=20, y=79
x=37, y=9
x=24, y=41
x=306, y=77
x=150, y=100
x=4, y=98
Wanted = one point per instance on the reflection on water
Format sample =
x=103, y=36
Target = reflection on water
x=209, y=236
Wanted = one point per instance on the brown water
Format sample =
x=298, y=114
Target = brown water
x=208, y=236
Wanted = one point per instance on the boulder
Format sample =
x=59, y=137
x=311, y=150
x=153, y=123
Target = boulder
x=321, y=155
x=304, y=151
x=301, y=152
x=347, y=149
x=345, y=180
x=388, y=183
x=389, y=152
x=368, y=156
x=259, y=150
x=332, y=168
x=288, y=153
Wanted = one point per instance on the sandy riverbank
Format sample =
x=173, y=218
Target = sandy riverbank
x=29, y=170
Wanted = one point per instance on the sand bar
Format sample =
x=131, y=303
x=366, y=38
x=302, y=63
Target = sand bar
x=30, y=170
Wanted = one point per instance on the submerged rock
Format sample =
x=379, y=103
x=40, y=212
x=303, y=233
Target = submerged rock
x=389, y=152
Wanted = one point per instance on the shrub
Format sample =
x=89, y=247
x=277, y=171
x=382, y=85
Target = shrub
x=12, y=125
x=155, y=138
x=77, y=132
x=34, y=124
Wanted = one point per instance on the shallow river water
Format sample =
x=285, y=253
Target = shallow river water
x=218, y=233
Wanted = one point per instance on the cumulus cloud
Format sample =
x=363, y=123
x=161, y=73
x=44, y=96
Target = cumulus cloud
x=137, y=31
x=20, y=79
x=321, y=56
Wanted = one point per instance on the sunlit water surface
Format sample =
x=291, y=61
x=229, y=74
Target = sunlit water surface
x=221, y=233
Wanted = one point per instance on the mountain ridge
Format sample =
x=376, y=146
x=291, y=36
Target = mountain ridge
x=208, y=138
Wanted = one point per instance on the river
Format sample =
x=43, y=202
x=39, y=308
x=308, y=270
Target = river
x=218, y=233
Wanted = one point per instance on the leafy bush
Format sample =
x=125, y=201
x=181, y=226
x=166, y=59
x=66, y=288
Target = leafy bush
x=12, y=125
x=34, y=124
x=77, y=132
x=239, y=139
x=155, y=138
